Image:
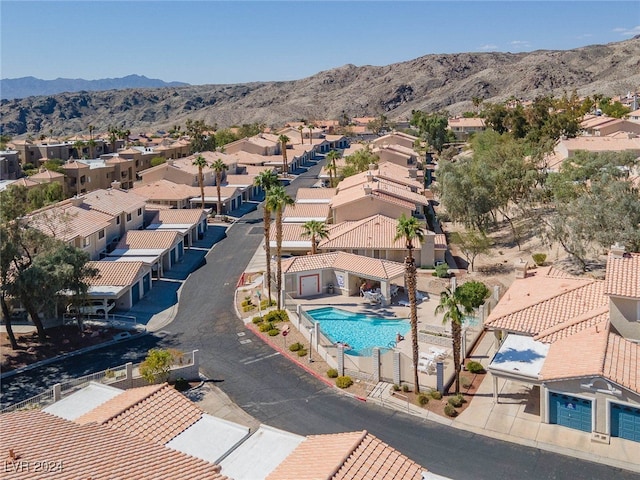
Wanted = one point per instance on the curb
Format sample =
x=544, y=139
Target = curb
x=64, y=356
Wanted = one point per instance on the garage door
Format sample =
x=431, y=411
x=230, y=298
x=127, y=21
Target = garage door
x=309, y=285
x=135, y=293
x=572, y=412
x=625, y=422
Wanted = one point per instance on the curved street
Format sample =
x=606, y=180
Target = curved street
x=281, y=394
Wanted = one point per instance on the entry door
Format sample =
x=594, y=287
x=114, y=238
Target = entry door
x=572, y=412
x=309, y=285
x=135, y=293
x=625, y=422
x=146, y=283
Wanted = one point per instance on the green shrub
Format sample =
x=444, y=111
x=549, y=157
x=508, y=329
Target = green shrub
x=277, y=316
x=422, y=399
x=405, y=388
x=436, y=395
x=475, y=367
x=257, y=320
x=396, y=387
x=461, y=398
x=181, y=384
x=332, y=373
x=449, y=411
x=273, y=332
x=302, y=352
x=474, y=293
x=344, y=382
x=108, y=373
x=539, y=258
x=248, y=308
x=465, y=381
x=246, y=302
x=264, y=304
x=455, y=401
x=442, y=270
x=265, y=326
x=294, y=347
x=155, y=367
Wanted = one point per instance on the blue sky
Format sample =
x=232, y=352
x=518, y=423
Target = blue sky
x=234, y=42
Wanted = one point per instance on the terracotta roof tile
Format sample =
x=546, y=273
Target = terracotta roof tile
x=623, y=276
x=113, y=201
x=190, y=216
x=306, y=210
x=66, y=221
x=574, y=325
x=166, y=190
x=366, y=266
x=353, y=456
x=157, y=417
x=116, y=273
x=315, y=193
x=147, y=239
x=622, y=362
x=94, y=451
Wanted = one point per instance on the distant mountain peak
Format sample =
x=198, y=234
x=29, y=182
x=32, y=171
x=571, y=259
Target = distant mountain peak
x=23, y=87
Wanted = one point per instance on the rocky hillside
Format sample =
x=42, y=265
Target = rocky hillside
x=427, y=83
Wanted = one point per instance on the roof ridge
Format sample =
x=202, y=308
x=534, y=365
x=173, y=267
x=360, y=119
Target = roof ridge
x=119, y=412
x=346, y=456
x=572, y=321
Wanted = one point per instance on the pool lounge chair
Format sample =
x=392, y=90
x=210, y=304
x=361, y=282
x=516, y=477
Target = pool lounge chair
x=373, y=297
x=426, y=366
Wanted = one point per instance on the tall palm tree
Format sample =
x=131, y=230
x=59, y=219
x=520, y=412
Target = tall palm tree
x=317, y=231
x=277, y=199
x=300, y=129
x=332, y=156
x=311, y=126
x=201, y=163
x=219, y=167
x=410, y=229
x=265, y=180
x=91, y=142
x=454, y=306
x=283, y=139
x=79, y=146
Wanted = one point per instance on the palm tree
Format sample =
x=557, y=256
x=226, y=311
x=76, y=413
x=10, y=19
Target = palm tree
x=219, y=167
x=300, y=129
x=410, y=229
x=265, y=180
x=113, y=138
x=283, y=139
x=201, y=163
x=332, y=156
x=311, y=126
x=454, y=307
x=317, y=231
x=79, y=146
x=91, y=141
x=277, y=199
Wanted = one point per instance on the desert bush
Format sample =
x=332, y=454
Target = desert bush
x=539, y=258
x=108, y=373
x=396, y=387
x=273, y=332
x=155, y=367
x=405, y=388
x=475, y=367
x=344, y=382
x=422, y=399
x=294, y=347
x=302, y=352
x=465, y=381
x=266, y=326
x=442, y=270
x=436, y=395
x=181, y=384
x=332, y=373
x=449, y=411
x=246, y=302
x=248, y=308
x=277, y=316
x=257, y=320
x=455, y=401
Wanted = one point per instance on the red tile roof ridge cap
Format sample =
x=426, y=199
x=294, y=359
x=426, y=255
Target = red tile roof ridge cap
x=571, y=322
x=119, y=412
x=346, y=456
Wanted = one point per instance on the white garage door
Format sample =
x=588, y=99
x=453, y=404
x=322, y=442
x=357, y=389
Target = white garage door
x=309, y=285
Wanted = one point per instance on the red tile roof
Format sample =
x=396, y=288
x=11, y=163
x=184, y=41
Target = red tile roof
x=353, y=456
x=366, y=266
x=148, y=239
x=623, y=275
x=92, y=451
x=116, y=273
x=622, y=362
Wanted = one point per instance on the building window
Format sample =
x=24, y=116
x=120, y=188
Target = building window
x=101, y=234
x=139, y=211
x=128, y=217
x=87, y=241
x=117, y=220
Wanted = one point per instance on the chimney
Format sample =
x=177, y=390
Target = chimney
x=369, y=176
x=617, y=250
x=367, y=189
x=413, y=172
x=76, y=201
x=116, y=185
x=372, y=167
x=521, y=268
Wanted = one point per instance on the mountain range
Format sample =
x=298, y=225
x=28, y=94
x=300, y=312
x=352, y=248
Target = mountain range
x=23, y=87
x=429, y=83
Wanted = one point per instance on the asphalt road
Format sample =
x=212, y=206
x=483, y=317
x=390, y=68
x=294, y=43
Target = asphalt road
x=280, y=394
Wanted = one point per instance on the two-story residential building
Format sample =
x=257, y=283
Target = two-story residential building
x=463, y=127
x=10, y=168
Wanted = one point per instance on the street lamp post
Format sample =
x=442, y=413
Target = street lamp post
x=310, y=343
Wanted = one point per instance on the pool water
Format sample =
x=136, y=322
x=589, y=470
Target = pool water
x=360, y=332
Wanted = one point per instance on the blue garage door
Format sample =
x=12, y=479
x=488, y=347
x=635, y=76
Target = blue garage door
x=135, y=293
x=625, y=422
x=570, y=411
x=146, y=283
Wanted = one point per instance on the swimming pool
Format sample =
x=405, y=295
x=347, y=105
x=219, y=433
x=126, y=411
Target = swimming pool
x=360, y=332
